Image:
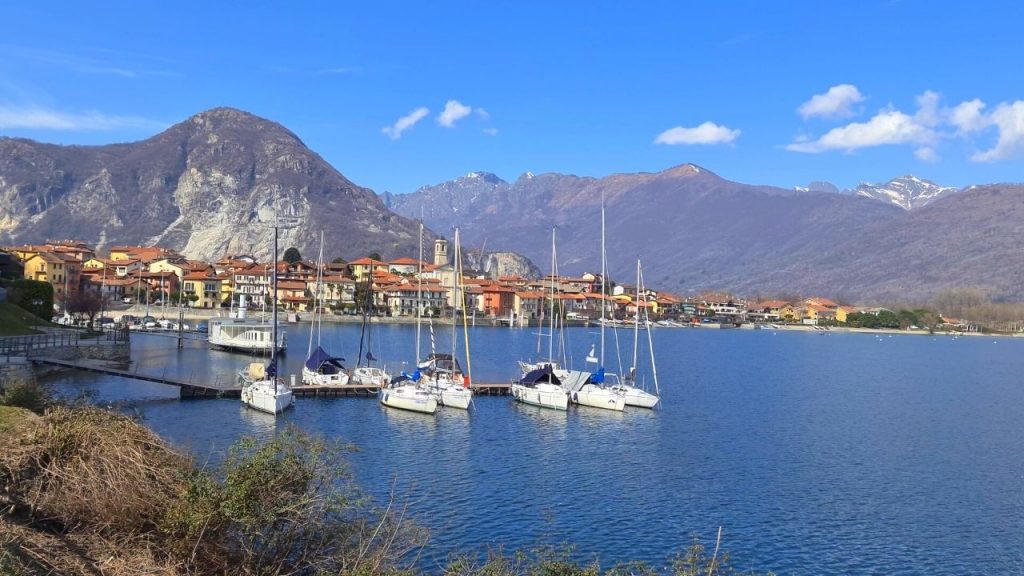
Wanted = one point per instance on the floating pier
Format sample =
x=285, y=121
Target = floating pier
x=193, y=389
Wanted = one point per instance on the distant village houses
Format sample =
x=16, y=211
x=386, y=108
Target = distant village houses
x=401, y=287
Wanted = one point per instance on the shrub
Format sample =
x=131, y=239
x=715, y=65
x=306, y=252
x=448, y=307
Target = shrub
x=34, y=296
x=26, y=393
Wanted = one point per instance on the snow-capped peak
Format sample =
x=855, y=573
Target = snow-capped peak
x=907, y=192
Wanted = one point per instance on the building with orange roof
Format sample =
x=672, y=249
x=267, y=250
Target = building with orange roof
x=363, y=268
x=405, y=265
x=404, y=298
x=145, y=254
x=822, y=302
x=529, y=304
x=202, y=289
x=252, y=282
x=292, y=295
x=60, y=271
x=336, y=291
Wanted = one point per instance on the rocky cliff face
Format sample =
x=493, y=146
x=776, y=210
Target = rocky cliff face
x=498, y=264
x=209, y=186
x=695, y=230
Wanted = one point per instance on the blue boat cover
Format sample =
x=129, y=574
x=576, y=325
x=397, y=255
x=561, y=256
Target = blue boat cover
x=323, y=363
x=597, y=377
x=540, y=375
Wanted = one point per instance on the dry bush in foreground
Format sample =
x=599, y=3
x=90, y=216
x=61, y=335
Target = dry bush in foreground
x=92, y=468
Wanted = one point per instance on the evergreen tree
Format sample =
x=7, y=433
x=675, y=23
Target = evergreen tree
x=292, y=255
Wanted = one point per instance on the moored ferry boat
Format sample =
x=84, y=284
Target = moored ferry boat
x=240, y=333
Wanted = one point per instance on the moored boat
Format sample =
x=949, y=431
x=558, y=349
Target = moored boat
x=541, y=388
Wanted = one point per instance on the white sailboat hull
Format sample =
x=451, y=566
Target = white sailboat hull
x=262, y=396
x=317, y=379
x=637, y=397
x=543, y=395
x=370, y=376
x=599, y=397
x=408, y=398
x=456, y=398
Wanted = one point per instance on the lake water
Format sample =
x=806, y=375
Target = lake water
x=816, y=454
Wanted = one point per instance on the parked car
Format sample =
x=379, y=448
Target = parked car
x=126, y=300
x=105, y=321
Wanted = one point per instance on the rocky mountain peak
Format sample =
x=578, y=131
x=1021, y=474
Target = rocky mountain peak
x=686, y=170
x=907, y=192
x=207, y=186
x=487, y=177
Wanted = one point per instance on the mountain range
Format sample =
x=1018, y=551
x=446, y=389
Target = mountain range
x=694, y=230
x=214, y=184
x=907, y=192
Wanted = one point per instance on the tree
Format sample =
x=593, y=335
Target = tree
x=375, y=256
x=292, y=255
x=339, y=260
x=85, y=302
x=34, y=296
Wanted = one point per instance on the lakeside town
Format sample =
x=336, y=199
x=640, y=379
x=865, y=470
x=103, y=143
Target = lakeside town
x=85, y=284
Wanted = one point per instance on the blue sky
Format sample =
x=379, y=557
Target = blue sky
x=759, y=92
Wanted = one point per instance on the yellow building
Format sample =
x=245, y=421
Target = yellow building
x=203, y=290
x=61, y=273
x=843, y=312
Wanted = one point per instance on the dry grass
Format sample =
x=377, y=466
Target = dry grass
x=89, y=468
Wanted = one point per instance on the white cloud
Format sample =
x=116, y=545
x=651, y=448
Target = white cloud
x=39, y=118
x=405, y=122
x=490, y=131
x=706, y=133
x=452, y=113
x=886, y=127
x=927, y=154
x=483, y=114
x=1009, y=119
x=968, y=116
x=928, y=113
x=836, y=103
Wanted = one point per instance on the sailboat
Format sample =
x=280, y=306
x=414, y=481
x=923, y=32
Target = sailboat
x=593, y=391
x=321, y=369
x=442, y=373
x=406, y=391
x=541, y=383
x=636, y=396
x=542, y=388
x=368, y=375
x=266, y=392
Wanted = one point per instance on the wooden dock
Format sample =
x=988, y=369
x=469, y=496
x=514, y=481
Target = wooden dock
x=189, y=388
x=193, y=389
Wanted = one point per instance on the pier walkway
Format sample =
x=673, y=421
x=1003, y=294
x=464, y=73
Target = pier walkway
x=194, y=389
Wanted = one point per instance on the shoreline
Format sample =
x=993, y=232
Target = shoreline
x=200, y=314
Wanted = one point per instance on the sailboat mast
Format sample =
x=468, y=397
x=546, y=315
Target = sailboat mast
x=554, y=274
x=604, y=289
x=419, y=296
x=273, y=311
x=650, y=342
x=456, y=294
x=463, y=302
x=636, y=318
x=319, y=288
x=315, y=324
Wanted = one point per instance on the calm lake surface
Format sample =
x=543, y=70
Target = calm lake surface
x=817, y=454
